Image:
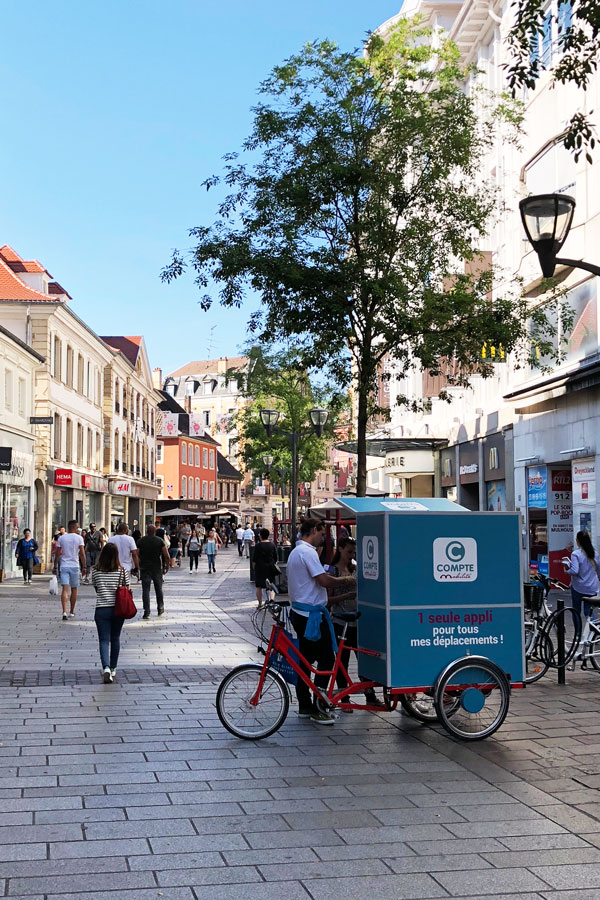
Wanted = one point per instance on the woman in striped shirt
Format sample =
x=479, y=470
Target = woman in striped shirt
x=106, y=578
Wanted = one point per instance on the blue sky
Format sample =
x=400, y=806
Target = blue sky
x=115, y=113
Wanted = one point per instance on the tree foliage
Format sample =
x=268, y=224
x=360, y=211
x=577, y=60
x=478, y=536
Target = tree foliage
x=578, y=27
x=352, y=216
x=278, y=380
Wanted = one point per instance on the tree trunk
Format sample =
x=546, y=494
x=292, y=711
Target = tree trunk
x=361, y=434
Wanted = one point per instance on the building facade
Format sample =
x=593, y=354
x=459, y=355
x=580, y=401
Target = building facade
x=523, y=439
x=204, y=390
x=75, y=458
x=18, y=366
x=130, y=432
x=229, y=482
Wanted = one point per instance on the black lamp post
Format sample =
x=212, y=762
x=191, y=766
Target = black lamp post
x=547, y=220
x=318, y=419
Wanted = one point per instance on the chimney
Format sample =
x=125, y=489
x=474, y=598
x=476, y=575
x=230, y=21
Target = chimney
x=157, y=378
x=222, y=365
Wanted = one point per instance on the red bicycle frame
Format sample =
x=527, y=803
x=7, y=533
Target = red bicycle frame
x=279, y=642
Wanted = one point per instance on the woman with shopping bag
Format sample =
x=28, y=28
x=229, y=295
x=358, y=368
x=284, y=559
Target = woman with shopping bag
x=108, y=579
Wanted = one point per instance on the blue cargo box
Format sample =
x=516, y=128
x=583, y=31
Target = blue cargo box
x=436, y=583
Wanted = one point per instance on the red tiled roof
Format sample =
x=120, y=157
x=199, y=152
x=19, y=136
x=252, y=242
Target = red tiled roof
x=9, y=254
x=129, y=346
x=17, y=264
x=202, y=366
x=12, y=288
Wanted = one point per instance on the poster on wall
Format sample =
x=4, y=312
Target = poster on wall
x=537, y=489
x=196, y=427
x=170, y=424
x=496, y=496
x=560, y=521
x=584, y=496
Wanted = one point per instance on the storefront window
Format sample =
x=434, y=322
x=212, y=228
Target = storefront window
x=59, y=509
x=17, y=518
x=117, y=511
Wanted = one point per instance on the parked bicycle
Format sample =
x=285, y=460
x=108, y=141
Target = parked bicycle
x=537, y=614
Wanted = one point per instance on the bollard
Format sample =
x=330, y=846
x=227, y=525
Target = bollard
x=560, y=637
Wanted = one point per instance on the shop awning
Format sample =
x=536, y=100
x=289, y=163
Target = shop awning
x=383, y=446
x=177, y=511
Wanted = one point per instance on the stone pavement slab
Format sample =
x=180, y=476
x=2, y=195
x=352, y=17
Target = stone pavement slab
x=134, y=791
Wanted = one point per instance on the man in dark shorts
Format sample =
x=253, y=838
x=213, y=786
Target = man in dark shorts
x=154, y=562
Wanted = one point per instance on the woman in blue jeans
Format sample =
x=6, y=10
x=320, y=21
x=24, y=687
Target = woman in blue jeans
x=107, y=576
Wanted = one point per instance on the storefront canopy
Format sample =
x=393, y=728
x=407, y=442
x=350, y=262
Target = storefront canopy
x=177, y=511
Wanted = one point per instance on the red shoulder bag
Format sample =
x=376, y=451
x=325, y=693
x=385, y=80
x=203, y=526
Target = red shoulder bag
x=125, y=608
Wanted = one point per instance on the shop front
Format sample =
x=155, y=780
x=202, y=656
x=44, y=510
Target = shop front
x=76, y=495
x=468, y=471
x=448, y=473
x=494, y=463
x=16, y=480
x=132, y=503
x=412, y=471
x=550, y=518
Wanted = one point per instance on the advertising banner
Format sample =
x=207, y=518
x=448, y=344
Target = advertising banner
x=170, y=424
x=560, y=522
x=584, y=496
x=496, y=496
x=537, y=487
x=196, y=427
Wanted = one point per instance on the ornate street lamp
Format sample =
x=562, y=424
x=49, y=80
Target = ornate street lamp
x=268, y=461
x=318, y=417
x=269, y=418
x=547, y=220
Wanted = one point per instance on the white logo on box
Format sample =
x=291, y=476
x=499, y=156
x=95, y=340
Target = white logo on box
x=403, y=504
x=370, y=557
x=455, y=559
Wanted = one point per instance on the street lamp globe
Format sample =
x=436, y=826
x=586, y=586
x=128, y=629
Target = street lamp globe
x=547, y=220
x=318, y=417
x=268, y=461
x=269, y=418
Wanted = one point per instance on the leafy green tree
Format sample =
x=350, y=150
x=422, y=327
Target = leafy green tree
x=278, y=380
x=360, y=200
x=578, y=27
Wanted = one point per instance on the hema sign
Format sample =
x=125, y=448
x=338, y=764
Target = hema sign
x=455, y=559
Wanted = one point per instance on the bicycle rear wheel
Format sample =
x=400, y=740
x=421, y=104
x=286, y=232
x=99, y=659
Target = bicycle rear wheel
x=421, y=706
x=593, y=650
x=239, y=716
x=535, y=667
x=484, y=698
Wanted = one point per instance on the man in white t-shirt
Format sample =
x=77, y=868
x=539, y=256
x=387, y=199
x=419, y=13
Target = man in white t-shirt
x=71, y=555
x=248, y=539
x=239, y=534
x=128, y=552
x=307, y=587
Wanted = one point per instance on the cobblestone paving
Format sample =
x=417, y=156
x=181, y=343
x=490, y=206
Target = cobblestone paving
x=134, y=791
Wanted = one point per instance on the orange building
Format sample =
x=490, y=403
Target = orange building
x=186, y=468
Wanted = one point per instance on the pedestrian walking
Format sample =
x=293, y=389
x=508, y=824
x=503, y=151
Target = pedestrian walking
x=70, y=556
x=248, y=540
x=184, y=537
x=307, y=587
x=239, y=534
x=128, y=552
x=107, y=576
x=212, y=541
x=227, y=534
x=194, y=549
x=26, y=553
x=583, y=569
x=103, y=537
x=174, y=550
x=154, y=563
x=92, y=544
x=265, y=561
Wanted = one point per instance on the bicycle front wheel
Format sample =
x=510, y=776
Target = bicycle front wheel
x=484, y=698
x=239, y=716
x=535, y=667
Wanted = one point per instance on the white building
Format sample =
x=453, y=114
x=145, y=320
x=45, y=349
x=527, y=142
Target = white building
x=18, y=365
x=524, y=439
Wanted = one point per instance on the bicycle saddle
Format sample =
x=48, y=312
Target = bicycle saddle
x=352, y=616
x=593, y=601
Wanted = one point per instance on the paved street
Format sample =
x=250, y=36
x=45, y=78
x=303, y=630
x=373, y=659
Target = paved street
x=134, y=791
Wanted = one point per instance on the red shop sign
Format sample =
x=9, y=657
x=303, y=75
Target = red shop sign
x=86, y=481
x=63, y=476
